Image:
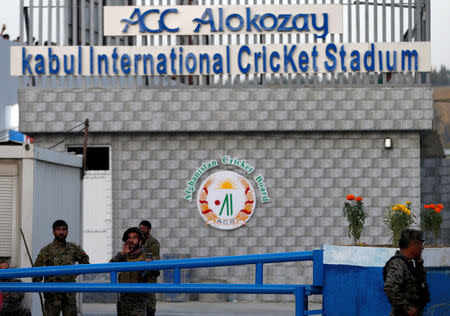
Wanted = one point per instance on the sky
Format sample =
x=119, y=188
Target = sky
x=440, y=25
x=440, y=38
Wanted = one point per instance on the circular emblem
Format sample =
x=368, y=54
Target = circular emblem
x=226, y=200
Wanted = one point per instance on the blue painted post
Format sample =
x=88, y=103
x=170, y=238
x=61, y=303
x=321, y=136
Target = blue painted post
x=176, y=276
x=318, y=267
x=299, y=301
x=259, y=271
x=113, y=277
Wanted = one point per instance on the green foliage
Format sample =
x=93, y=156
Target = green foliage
x=430, y=222
x=397, y=218
x=441, y=77
x=356, y=216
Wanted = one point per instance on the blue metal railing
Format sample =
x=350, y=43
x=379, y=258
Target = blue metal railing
x=300, y=291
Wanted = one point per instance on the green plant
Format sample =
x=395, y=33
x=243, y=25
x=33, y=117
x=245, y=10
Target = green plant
x=431, y=219
x=354, y=212
x=397, y=218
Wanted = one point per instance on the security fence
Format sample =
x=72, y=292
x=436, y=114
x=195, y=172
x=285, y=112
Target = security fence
x=300, y=291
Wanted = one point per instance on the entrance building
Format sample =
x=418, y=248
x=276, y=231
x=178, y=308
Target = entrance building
x=312, y=136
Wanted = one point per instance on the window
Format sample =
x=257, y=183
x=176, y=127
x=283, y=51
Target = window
x=97, y=158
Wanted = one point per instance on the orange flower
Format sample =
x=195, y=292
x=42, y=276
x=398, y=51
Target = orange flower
x=433, y=206
x=350, y=197
x=427, y=206
x=440, y=206
x=438, y=210
x=358, y=199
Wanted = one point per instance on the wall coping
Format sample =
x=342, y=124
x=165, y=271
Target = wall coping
x=377, y=256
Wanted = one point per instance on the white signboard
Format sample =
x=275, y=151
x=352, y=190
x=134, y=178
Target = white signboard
x=218, y=60
x=320, y=20
x=226, y=200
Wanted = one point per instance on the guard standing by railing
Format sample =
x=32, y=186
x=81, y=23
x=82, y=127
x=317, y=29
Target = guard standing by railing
x=59, y=253
x=132, y=304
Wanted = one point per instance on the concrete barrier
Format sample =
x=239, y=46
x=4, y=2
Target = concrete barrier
x=353, y=280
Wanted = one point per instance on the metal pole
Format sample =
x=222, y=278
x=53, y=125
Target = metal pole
x=113, y=277
x=259, y=273
x=176, y=276
x=31, y=262
x=299, y=301
x=86, y=130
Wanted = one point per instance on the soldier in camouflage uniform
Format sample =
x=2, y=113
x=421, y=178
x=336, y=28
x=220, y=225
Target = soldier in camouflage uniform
x=59, y=253
x=405, y=276
x=12, y=301
x=151, y=246
x=132, y=304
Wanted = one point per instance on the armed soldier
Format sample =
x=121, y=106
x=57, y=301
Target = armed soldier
x=405, y=278
x=151, y=247
x=12, y=301
x=132, y=304
x=58, y=253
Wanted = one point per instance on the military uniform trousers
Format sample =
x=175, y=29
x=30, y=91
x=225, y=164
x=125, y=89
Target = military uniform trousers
x=132, y=304
x=57, y=302
x=20, y=311
x=151, y=304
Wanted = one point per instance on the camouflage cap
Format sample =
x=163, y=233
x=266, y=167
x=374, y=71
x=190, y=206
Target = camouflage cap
x=408, y=235
x=130, y=230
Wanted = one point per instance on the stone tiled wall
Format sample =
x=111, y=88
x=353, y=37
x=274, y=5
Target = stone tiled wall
x=227, y=109
x=435, y=183
x=312, y=145
x=307, y=176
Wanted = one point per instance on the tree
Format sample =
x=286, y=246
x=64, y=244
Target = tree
x=441, y=77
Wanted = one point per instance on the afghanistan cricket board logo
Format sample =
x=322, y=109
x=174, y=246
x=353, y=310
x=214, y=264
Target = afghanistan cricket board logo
x=226, y=200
